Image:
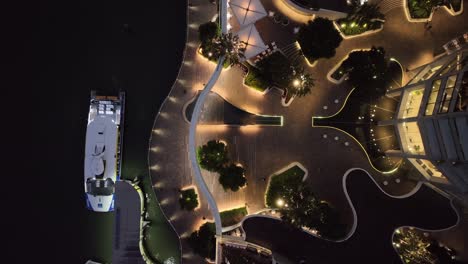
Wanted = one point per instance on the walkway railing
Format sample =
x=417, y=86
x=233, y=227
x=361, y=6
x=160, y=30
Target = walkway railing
x=193, y=126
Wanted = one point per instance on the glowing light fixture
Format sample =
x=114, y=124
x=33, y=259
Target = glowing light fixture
x=296, y=83
x=280, y=202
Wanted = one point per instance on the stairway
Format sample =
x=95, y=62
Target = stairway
x=292, y=51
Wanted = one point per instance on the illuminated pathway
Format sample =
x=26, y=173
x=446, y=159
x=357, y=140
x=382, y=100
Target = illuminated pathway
x=168, y=156
x=193, y=148
x=193, y=125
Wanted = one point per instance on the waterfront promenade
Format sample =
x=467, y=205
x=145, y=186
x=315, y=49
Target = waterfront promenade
x=264, y=150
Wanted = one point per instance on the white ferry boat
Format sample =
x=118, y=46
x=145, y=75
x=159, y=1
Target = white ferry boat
x=103, y=150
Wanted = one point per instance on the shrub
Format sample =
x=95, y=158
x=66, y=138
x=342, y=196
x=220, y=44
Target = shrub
x=212, y=156
x=188, y=199
x=232, y=217
x=256, y=80
x=232, y=177
x=203, y=241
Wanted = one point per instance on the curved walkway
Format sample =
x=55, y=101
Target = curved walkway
x=169, y=166
x=192, y=146
x=378, y=216
x=193, y=126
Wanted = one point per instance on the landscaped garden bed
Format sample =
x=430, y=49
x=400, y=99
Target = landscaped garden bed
x=213, y=156
x=362, y=18
x=214, y=44
x=203, y=240
x=276, y=187
x=422, y=9
x=299, y=207
x=255, y=79
x=232, y=217
x=417, y=246
x=188, y=199
x=207, y=54
x=277, y=70
x=351, y=28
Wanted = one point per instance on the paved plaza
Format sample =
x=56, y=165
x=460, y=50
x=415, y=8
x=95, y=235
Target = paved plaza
x=263, y=150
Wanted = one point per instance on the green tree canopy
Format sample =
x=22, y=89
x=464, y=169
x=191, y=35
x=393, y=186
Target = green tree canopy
x=208, y=31
x=278, y=70
x=213, y=155
x=319, y=39
x=302, y=209
x=203, y=241
x=367, y=68
x=413, y=246
x=188, y=199
x=300, y=83
x=232, y=177
x=230, y=46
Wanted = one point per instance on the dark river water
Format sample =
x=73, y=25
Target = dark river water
x=70, y=48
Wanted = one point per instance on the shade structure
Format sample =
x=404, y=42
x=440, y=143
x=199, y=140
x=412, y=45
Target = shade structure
x=247, y=11
x=250, y=37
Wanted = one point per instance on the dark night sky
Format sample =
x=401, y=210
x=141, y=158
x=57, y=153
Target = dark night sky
x=55, y=52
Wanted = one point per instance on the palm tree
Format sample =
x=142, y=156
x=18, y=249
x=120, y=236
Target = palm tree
x=230, y=46
x=300, y=83
x=413, y=247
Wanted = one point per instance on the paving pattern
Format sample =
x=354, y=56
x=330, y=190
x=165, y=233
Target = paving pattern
x=168, y=156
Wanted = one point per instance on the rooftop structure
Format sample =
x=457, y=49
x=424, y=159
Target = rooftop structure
x=102, y=152
x=247, y=11
x=254, y=44
x=432, y=122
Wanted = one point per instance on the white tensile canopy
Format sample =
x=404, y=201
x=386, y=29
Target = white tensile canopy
x=251, y=38
x=247, y=11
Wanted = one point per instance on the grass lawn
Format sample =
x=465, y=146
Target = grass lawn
x=232, y=217
x=275, y=189
x=255, y=80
